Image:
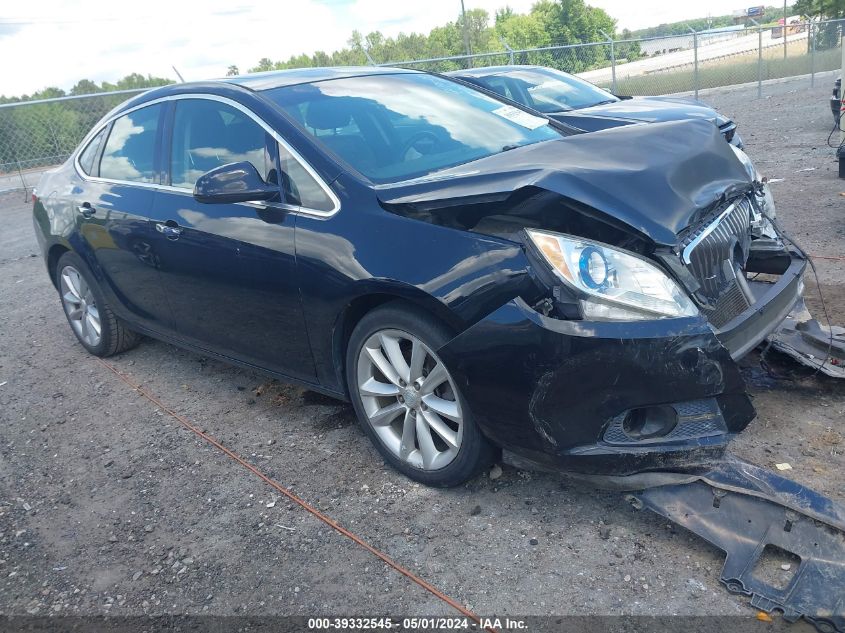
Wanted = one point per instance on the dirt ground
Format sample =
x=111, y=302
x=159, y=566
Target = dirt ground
x=108, y=506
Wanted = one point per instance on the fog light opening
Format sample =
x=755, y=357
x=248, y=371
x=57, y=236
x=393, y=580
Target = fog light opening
x=649, y=422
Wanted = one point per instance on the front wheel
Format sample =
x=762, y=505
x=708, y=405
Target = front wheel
x=407, y=401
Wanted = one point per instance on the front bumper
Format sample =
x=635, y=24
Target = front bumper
x=558, y=393
x=774, y=301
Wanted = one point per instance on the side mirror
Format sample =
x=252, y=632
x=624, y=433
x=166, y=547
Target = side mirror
x=235, y=182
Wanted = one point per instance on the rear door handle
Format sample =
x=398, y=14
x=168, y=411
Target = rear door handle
x=169, y=229
x=86, y=210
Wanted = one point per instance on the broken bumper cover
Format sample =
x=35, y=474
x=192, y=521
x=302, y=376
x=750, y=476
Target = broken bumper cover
x=606, y=397
x=773, y=303
x=557, y=393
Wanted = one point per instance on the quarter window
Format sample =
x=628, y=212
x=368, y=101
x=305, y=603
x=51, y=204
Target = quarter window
x=208, y=134
x=129, y=153
x=87, y=156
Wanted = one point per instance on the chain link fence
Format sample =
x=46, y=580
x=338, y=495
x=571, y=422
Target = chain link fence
x=678, y=63
x=38, y=134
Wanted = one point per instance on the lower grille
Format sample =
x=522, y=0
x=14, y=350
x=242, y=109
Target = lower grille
x=715, y=254
x=696, y=419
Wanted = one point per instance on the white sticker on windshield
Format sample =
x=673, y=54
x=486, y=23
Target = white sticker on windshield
x=520, y=117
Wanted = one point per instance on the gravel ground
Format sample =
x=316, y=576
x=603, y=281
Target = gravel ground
x=108, y=506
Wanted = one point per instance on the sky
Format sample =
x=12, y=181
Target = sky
x=55, y=42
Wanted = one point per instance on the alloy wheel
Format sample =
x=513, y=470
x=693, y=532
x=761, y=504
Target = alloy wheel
x=410, y=400
x=80, y=306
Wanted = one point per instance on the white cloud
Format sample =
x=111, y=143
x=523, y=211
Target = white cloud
x=67, y=42
x=57, y=43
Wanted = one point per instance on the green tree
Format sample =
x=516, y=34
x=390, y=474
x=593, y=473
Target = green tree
x=505, y=13
x=85, y=87
x=574, y=22
x=523, y=31
x=824, y=9
x=48, y=93
x=263, y=64
x=232, y=71
x=828, y=34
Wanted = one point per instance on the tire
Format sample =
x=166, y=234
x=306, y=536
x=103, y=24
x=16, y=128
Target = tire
x=447, y=448
x=84, y=305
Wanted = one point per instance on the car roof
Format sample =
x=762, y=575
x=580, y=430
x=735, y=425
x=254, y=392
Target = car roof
x=291, y=77
x=488, y=71
x=260, y=81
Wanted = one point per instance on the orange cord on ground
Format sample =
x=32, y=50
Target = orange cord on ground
x=287, y=493
x=835, y=259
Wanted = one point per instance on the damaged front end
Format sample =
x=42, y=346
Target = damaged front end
x=651, y=277
x=653, y=268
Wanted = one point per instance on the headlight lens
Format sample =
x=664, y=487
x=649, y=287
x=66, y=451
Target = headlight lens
x=765, y=202
x=612, y=284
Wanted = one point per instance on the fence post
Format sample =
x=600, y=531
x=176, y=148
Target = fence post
x=508, y=49
x=841, y=93
x=695, y=59
x=759, y=58
x=612, y=62
x=812, y=37
x=760, y=62
x=23, y=180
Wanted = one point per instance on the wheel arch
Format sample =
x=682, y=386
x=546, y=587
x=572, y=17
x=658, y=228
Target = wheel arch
x=363, y=304
x=53, y=255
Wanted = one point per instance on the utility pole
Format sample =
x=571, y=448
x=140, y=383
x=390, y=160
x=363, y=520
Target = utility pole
x=466, y=31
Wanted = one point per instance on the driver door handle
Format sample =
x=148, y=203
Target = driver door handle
x=169, y=229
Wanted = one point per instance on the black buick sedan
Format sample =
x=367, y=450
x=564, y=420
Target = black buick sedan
x=571, y=100
x=470, y=275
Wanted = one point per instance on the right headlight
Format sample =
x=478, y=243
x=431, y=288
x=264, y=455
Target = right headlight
x=764, y=207
x=612, y=284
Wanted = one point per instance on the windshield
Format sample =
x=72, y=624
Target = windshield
x=395, y=127
x=546, y=90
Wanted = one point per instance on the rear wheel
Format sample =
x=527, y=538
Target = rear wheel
x=407, y=401
x=99, y=330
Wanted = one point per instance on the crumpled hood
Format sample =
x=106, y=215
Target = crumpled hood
x=653, y=110
x=658, y=179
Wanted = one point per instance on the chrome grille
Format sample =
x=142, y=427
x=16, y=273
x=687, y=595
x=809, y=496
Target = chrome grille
x=715, y=254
